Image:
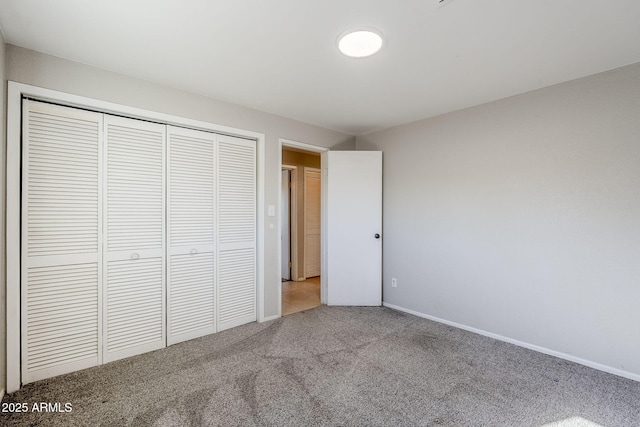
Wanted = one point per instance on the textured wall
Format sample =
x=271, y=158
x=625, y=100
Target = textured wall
x=521, y=217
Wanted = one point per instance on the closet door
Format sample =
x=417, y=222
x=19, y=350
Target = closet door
x=134, y=282
x=191, y=290
x=236, y=223
x=312, y=220
x=61, y=241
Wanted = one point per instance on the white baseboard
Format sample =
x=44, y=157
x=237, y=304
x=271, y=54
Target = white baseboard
x=589, y=363
x=274, y=317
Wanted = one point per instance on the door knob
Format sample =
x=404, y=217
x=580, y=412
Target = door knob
x=377, y=236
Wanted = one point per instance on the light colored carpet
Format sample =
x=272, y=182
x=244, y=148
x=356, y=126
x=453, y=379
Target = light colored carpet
x=337, y=366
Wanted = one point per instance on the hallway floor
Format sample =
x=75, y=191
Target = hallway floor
x=299, y=296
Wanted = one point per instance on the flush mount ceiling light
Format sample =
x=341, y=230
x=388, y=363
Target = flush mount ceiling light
x=360, y=43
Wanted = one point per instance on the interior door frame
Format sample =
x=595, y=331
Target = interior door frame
x=293, y=220
x=323, y=229
x=15, y=93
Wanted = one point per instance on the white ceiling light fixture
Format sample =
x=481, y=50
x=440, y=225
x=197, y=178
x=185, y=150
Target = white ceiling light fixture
x=360, y=43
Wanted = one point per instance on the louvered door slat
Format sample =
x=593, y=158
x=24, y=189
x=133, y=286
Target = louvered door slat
x=61, y=243
x=236, y=224
x=192, y=296
x=134, y=229
x=191, y=277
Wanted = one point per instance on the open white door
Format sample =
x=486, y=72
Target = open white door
x=354, y=227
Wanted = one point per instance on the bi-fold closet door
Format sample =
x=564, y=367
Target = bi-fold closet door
x=236, y=227
x=134, y=281
x=135, y=235
x=191, y=234
x=212, y=233
x=61, y=251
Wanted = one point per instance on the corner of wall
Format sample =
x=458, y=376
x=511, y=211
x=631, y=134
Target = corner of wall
x=349, y=144
x=3, y=149
x=362, y=143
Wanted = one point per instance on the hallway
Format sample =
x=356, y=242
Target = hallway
x=299, y=296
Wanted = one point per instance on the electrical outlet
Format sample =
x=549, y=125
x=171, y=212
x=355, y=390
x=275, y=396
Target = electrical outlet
x=394, y=282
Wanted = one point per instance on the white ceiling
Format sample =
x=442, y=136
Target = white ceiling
x=280, y=56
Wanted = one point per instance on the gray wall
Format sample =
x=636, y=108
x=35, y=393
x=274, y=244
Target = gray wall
x=3, y=150
x=521, y=217
x=26, y=66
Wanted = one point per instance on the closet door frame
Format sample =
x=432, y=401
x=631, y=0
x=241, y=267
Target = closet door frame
x=15, y=93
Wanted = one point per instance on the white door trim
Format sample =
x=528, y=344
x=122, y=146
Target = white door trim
x=285, y=219
x=293, y=222
x=293, y=208
x=323, y=269
x=15, y=93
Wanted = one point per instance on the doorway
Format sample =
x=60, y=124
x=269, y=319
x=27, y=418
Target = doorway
x=301, y=205
x=285, y=222
x=350, y=226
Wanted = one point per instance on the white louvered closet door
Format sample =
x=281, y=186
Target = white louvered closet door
x=61, y=242
x=191, y=239
x=236, y=272
x=134, y=282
